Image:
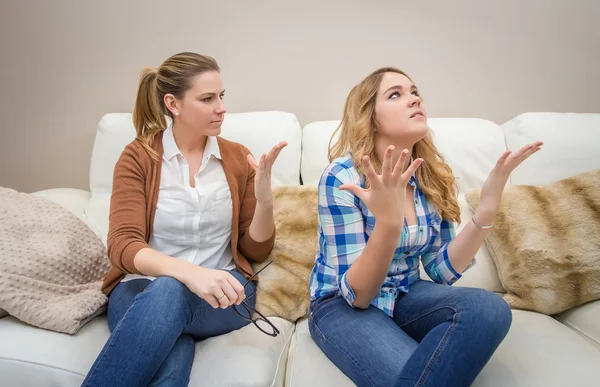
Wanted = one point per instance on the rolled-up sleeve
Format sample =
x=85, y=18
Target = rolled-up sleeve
x=436, y=262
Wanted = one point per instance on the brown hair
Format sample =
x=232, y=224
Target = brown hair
x=357, y=135
x=172, y=77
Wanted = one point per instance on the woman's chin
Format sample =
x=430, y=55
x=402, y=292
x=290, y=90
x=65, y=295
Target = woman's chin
x=419, y=130
x=213, y=130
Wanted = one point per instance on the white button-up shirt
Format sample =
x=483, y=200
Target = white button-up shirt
x=193, y=224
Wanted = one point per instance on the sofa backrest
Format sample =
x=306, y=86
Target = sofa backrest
x=471, y=146
x=259, y=131
x=571, y=145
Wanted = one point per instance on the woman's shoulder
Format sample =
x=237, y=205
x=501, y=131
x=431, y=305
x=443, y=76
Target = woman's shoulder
x=339, y=171
x=134, y=155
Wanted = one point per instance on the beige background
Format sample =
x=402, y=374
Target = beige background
x=66, y=63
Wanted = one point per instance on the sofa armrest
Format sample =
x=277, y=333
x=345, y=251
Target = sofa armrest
x=75, y=200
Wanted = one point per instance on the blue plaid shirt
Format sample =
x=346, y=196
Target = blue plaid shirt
x=345, y=225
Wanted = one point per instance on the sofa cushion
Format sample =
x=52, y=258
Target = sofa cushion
x=538, y=351
x=308, y=366
x=471, y=146
x=259, y=359
x=544, y=243
x=584, y=320
x=570, y=145
x=35, y=357
x=258, y=131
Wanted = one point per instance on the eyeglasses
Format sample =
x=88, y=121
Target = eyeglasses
x=247, y=312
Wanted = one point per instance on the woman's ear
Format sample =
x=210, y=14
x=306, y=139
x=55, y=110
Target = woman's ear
x=172, y=104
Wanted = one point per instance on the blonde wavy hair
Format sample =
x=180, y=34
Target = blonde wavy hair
x=357, y=135
x=174, y=76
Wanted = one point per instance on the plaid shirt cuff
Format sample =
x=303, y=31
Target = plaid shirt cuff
x=443, y=271
x=347, y=291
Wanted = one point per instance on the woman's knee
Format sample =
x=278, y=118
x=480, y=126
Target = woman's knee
x=166, y=294
x=489, y=311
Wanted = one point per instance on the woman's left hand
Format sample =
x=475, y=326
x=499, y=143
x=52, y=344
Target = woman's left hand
x=491, y=192
x=262, y=179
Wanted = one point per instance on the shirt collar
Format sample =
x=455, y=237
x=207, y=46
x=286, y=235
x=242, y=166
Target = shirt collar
x=212, y=148
x=171, y=150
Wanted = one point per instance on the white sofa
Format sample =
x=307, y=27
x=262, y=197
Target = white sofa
x=539, y=350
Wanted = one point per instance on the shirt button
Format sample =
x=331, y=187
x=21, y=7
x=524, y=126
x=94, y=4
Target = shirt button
x=421, y=229
x=416, y=201
x=407, y=253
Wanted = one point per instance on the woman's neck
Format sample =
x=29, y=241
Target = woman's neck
x=187, y=141
x=381, y=144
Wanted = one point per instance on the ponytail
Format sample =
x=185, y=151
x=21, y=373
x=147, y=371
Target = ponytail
x=148, y=117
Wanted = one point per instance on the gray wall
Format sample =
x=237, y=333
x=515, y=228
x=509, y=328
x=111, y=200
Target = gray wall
x=66, y=63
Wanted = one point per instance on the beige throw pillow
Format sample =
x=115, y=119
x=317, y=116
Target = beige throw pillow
x=546, y=243
x=283, y=286
x=51, y=264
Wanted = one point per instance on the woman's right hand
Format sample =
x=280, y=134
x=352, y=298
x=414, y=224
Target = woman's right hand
x=217, y=287
x=386, y=195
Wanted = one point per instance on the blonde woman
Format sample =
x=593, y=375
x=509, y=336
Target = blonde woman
x=188, y=211
x=388, y=201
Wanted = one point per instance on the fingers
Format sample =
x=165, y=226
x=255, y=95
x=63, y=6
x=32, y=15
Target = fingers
x=229, y=295
x=516, y=158
x=412, y=168
x=252, y=162
x=370, y=172
x=238, y=288
x=504, y=157
x=273, y=154
x=261, y=163
x=278, y=148
x=536, y=146
x=212, y=300
x=386, y=168
x=399, y=167
x=528, y=151
x=355, y=189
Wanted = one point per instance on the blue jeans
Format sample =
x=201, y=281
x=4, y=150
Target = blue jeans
x=154, y=327
x=439, y=336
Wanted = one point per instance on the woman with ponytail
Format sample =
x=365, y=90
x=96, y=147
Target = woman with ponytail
x=189, y=211
x=387, y=204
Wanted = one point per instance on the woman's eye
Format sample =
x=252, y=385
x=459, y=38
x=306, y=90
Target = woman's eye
x=394, y=95
x=207, y=99
x=416, y=93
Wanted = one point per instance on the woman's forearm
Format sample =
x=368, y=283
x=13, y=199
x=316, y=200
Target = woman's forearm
x=463, y=248
x=153, y=263
x=366, y=275
x=263, y=224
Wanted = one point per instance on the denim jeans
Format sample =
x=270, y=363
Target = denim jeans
x=154, y=326
x=439, y=336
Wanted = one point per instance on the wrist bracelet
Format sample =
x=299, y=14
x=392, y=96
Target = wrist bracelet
x=480, y=226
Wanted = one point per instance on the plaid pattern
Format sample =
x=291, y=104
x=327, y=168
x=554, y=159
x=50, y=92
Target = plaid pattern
x=345, y=225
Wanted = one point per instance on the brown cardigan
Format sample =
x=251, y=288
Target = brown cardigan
x=136, y=181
